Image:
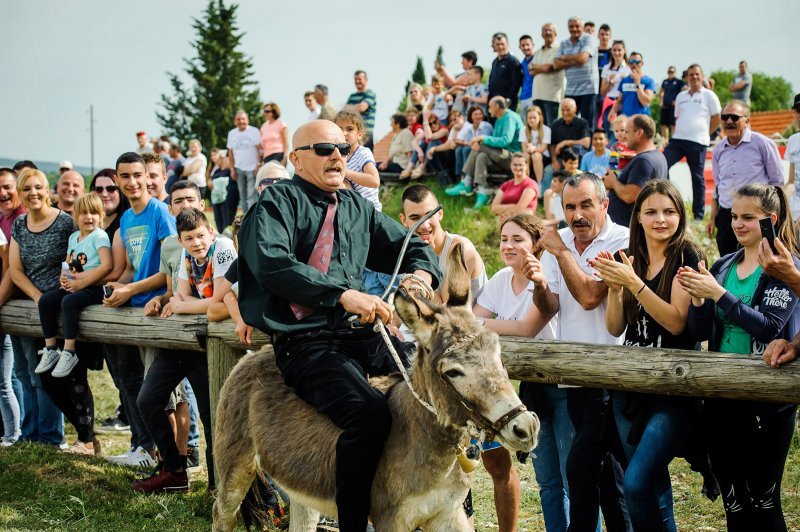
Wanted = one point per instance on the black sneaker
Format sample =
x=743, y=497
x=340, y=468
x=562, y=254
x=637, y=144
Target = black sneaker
x=112, y=425
x=193, y=458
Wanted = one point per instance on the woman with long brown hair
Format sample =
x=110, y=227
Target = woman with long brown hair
x=646, y=302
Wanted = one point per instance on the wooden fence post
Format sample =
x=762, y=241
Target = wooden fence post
x=221, y=359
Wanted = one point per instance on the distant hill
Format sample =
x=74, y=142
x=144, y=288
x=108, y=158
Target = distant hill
x=47, y=166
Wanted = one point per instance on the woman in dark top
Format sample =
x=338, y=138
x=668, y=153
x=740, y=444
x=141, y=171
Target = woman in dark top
x=740, y=309
x=38, y=246
x=115, y=203
x=646, y=302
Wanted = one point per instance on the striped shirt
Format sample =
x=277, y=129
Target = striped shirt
x=582, y=79
x=369, y=115
x=357, y=161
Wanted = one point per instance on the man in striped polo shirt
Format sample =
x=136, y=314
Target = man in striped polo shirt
x=363, y=101
x=577, y=57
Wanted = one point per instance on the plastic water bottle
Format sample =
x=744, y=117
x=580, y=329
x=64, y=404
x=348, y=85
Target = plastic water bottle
x=66, y=271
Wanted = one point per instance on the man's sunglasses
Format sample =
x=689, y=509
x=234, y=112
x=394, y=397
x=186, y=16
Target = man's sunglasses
x=634, y=61
x=324, y=149
x=110, y=189
x=267, y=181
x=735, y=118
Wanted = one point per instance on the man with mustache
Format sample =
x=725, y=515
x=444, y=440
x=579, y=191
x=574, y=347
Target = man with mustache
x=304, y=246
x=580, y=300
x=743, y=157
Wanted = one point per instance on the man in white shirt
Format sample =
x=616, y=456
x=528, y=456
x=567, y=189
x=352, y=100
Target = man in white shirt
x=696, y=118
x=245, y=153
x=580, y=300
x=311, y=105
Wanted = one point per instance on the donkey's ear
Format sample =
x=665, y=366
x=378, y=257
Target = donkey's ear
x=418, y=314
x=458, y=281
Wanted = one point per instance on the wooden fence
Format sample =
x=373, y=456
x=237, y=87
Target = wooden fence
x=650, y=370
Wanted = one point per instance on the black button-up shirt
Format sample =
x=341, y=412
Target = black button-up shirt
x=505, y=79
x=277, y=237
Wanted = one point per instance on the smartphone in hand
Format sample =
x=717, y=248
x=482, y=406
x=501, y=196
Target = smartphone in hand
x=768, y=232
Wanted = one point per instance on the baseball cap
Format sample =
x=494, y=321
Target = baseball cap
x=65, y=165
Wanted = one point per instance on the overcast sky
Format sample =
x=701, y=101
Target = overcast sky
x=59, y=57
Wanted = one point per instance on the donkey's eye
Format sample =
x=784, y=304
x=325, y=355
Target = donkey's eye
x=453, y=374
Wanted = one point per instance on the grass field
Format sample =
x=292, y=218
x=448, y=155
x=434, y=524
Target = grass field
x=43, y=489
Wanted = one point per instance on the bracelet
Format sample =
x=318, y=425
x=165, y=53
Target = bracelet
x=644, y=285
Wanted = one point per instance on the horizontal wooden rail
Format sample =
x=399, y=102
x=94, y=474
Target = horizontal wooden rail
x=649, y=370
x=127, y=326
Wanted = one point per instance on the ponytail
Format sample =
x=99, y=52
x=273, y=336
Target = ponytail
x=772, y=199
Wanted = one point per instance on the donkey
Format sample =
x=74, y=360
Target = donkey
x=262, y=425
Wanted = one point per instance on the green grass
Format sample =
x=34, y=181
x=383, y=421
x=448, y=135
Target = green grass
x=43, y=489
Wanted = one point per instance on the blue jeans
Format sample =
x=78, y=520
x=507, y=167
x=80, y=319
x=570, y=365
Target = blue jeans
x=462, y=152
x=41, y=421
x=375, y=283
x=647, y=486
x=9, y=406
x=550, y=465
x=246, y=182
x=194, y=433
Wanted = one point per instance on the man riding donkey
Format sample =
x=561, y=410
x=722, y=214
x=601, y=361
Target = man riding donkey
x=304, y=247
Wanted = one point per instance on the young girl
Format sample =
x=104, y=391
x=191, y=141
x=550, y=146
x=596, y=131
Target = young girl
x=506, y=299
x=89, y=261
x=740, y=309
x=612, y=74
x=361, y=173
x=535, y=139
x=646, y=302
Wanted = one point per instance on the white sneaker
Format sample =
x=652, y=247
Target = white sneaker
x=7, y=442
x=66, y=362
x=50, y=356
x=117, y=457
x=136, y=458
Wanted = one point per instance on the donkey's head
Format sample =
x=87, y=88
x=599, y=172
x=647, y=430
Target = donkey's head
x=458, y=366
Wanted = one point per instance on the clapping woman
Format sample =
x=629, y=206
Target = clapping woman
x=646, y=302
x=740, y=309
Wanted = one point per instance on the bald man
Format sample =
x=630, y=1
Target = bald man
x=69, y=188
x=304, y=246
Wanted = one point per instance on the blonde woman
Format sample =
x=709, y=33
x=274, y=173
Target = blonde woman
x=535, y=139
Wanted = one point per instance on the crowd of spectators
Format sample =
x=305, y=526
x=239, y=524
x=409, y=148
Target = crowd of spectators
x=611, y=262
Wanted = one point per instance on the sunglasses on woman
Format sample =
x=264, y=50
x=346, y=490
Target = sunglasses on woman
x=325, y=149
x=110, y=189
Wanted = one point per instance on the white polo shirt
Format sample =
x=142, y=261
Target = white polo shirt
x=574, y=323
x=693, y=114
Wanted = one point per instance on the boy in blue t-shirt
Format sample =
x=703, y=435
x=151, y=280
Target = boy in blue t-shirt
x=636, y=91
x=596, y=161
x=142, y=229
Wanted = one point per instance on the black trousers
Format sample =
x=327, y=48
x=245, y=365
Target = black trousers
x=73, y=396
x=748, y=444
x=549, y=111
x=127, y=370
x=586, y=108
x=329, y=369
x=70, y=305
x=167, y=371
x=696, y=159
x=726, y=238
x=594, y=475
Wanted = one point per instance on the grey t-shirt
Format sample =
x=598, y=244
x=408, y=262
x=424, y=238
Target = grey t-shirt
x=42, y=253
x=744, y=93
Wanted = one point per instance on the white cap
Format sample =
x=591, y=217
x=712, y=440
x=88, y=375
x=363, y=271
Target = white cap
x=65, y=164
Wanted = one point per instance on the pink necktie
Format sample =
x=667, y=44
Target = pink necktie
x=321, y=255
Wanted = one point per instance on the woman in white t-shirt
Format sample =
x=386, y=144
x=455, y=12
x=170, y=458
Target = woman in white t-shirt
x=613, y=72
x=506, y=305
x=535, y=138
x=194, y=167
